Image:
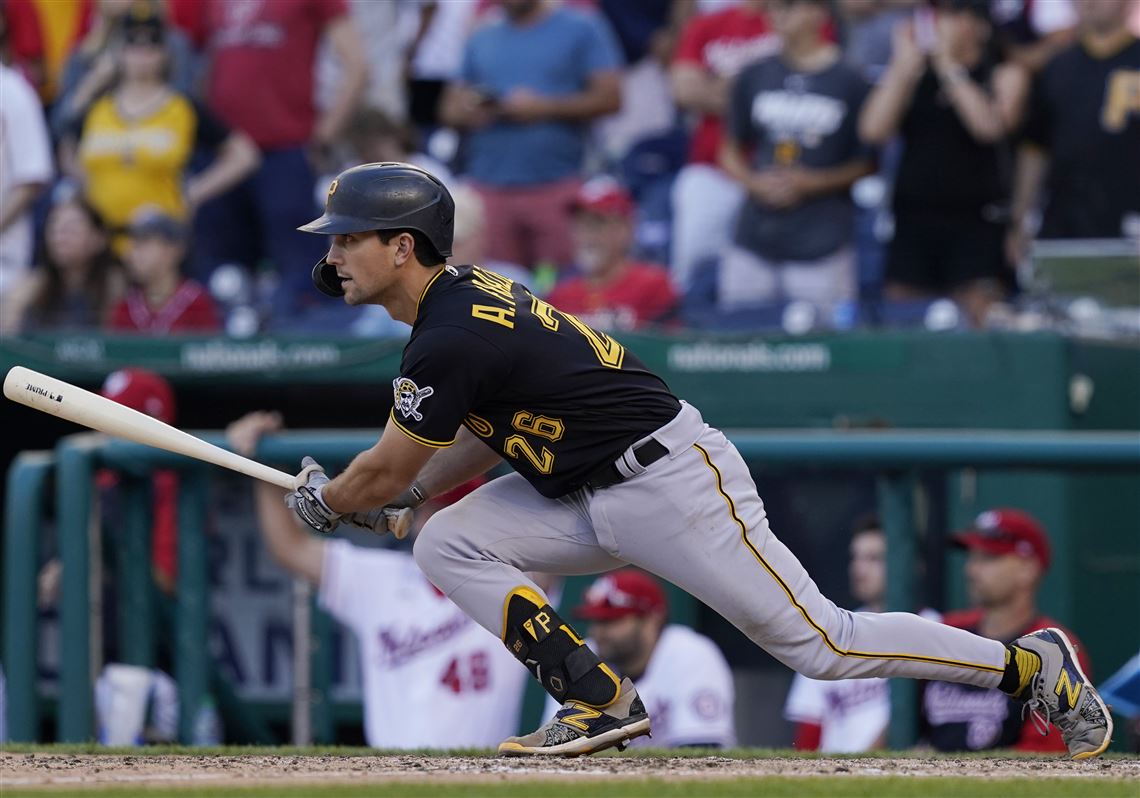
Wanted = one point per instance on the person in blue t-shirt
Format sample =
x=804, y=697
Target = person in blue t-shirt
x=529, y=84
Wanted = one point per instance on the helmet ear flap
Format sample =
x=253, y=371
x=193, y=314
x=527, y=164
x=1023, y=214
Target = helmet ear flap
x=325, y=279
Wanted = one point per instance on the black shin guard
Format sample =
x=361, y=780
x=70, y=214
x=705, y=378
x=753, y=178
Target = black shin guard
x=554, y=655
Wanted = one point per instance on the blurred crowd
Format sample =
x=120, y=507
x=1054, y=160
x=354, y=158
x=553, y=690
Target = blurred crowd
x=707, y=164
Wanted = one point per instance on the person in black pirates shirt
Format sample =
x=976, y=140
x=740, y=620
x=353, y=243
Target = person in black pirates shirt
x=954, y=107
x=611, y=468
x=796, y=113
x=1082, y=135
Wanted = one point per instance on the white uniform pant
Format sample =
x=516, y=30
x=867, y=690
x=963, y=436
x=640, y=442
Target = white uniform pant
x=695, y=519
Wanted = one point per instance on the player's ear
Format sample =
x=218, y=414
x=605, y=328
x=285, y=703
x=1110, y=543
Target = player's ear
x=405, y=246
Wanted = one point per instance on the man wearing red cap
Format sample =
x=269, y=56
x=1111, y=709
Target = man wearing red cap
x=1008, y=557
x=681, y=675
x=611, y=291
x=431, y=677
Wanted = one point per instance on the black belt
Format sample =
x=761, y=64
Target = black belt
x=646, y=454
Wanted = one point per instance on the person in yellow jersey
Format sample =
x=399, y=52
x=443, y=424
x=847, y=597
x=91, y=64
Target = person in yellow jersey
x=135, y=142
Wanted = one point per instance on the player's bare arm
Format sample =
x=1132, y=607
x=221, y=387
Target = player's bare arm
x=377, y=476
x=291, y=545
x=465, y=459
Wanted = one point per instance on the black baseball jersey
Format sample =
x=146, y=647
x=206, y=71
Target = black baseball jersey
x=1085, y=111
x=555, y=398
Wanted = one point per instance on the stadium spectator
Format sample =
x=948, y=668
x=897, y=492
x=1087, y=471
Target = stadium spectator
x=647, y=33
x=25, y=169
x=849, y=715
x=528, y=85
x=94, y=66
x=21, y=41
x=954, y=107
x=432, y=678
x=382, y=32
x=712, y=50
x=272, y=46
x=611, y=292
x=1031, y=32
x=133, y=147
x=868, y=27
x=470, y=244
x=78, y=282
x=435, y=57
x=1008, y=556
x=374, y=136
x=58, y=28
x=681, y=675
x=161, y=300
x=1082, y=136
x=796, y=112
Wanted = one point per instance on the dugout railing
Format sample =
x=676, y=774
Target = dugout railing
x=896, y=456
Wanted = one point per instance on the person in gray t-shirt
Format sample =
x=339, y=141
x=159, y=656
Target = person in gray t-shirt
x=796, y=114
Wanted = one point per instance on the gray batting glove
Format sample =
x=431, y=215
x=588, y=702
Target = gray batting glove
x=306, y=500
x=382, y=520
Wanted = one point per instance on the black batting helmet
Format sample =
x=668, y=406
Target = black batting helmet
x=383, y=196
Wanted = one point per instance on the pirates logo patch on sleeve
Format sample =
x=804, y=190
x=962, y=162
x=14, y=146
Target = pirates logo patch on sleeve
x=408, y=397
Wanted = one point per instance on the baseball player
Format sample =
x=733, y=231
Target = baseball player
x=681, y=676
x=610, y=468
x=432, y=678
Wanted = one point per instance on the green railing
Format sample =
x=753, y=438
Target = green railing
x=895, y=455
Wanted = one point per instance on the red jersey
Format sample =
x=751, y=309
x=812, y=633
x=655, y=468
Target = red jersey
x=978, y=719
x=262, y=54
x=640, y=295
x=722, y=43
x=189, y=309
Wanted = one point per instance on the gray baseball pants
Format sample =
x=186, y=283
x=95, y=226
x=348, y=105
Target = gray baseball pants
x=695, y=519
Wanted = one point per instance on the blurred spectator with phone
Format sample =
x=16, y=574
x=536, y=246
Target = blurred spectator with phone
x=955, y=106
x=529, y=84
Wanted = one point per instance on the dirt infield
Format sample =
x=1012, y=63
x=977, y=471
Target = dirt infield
x=47, y=770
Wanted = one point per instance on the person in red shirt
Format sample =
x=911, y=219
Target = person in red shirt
x=161, y=300
x=260, y=81
x=611, y=292
x=713, y=48
x=150, y=393
x=1009, y=554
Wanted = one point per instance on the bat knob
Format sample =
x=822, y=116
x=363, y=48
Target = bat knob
x=400, y=522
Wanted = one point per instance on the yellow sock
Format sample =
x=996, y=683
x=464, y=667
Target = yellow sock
x=1028, y=664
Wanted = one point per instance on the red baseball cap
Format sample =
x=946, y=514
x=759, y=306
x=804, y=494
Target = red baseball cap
x=603, y=196
x=1005, y=530
x=622, y=593
x=142, y=390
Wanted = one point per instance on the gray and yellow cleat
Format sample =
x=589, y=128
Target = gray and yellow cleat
x=1061, y=693
x=578, y=729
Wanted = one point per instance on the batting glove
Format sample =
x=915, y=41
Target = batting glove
x=382, y=520
x=306, y=499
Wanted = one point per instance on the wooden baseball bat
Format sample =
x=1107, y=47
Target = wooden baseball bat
x=58, y=398
x=64, y=400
